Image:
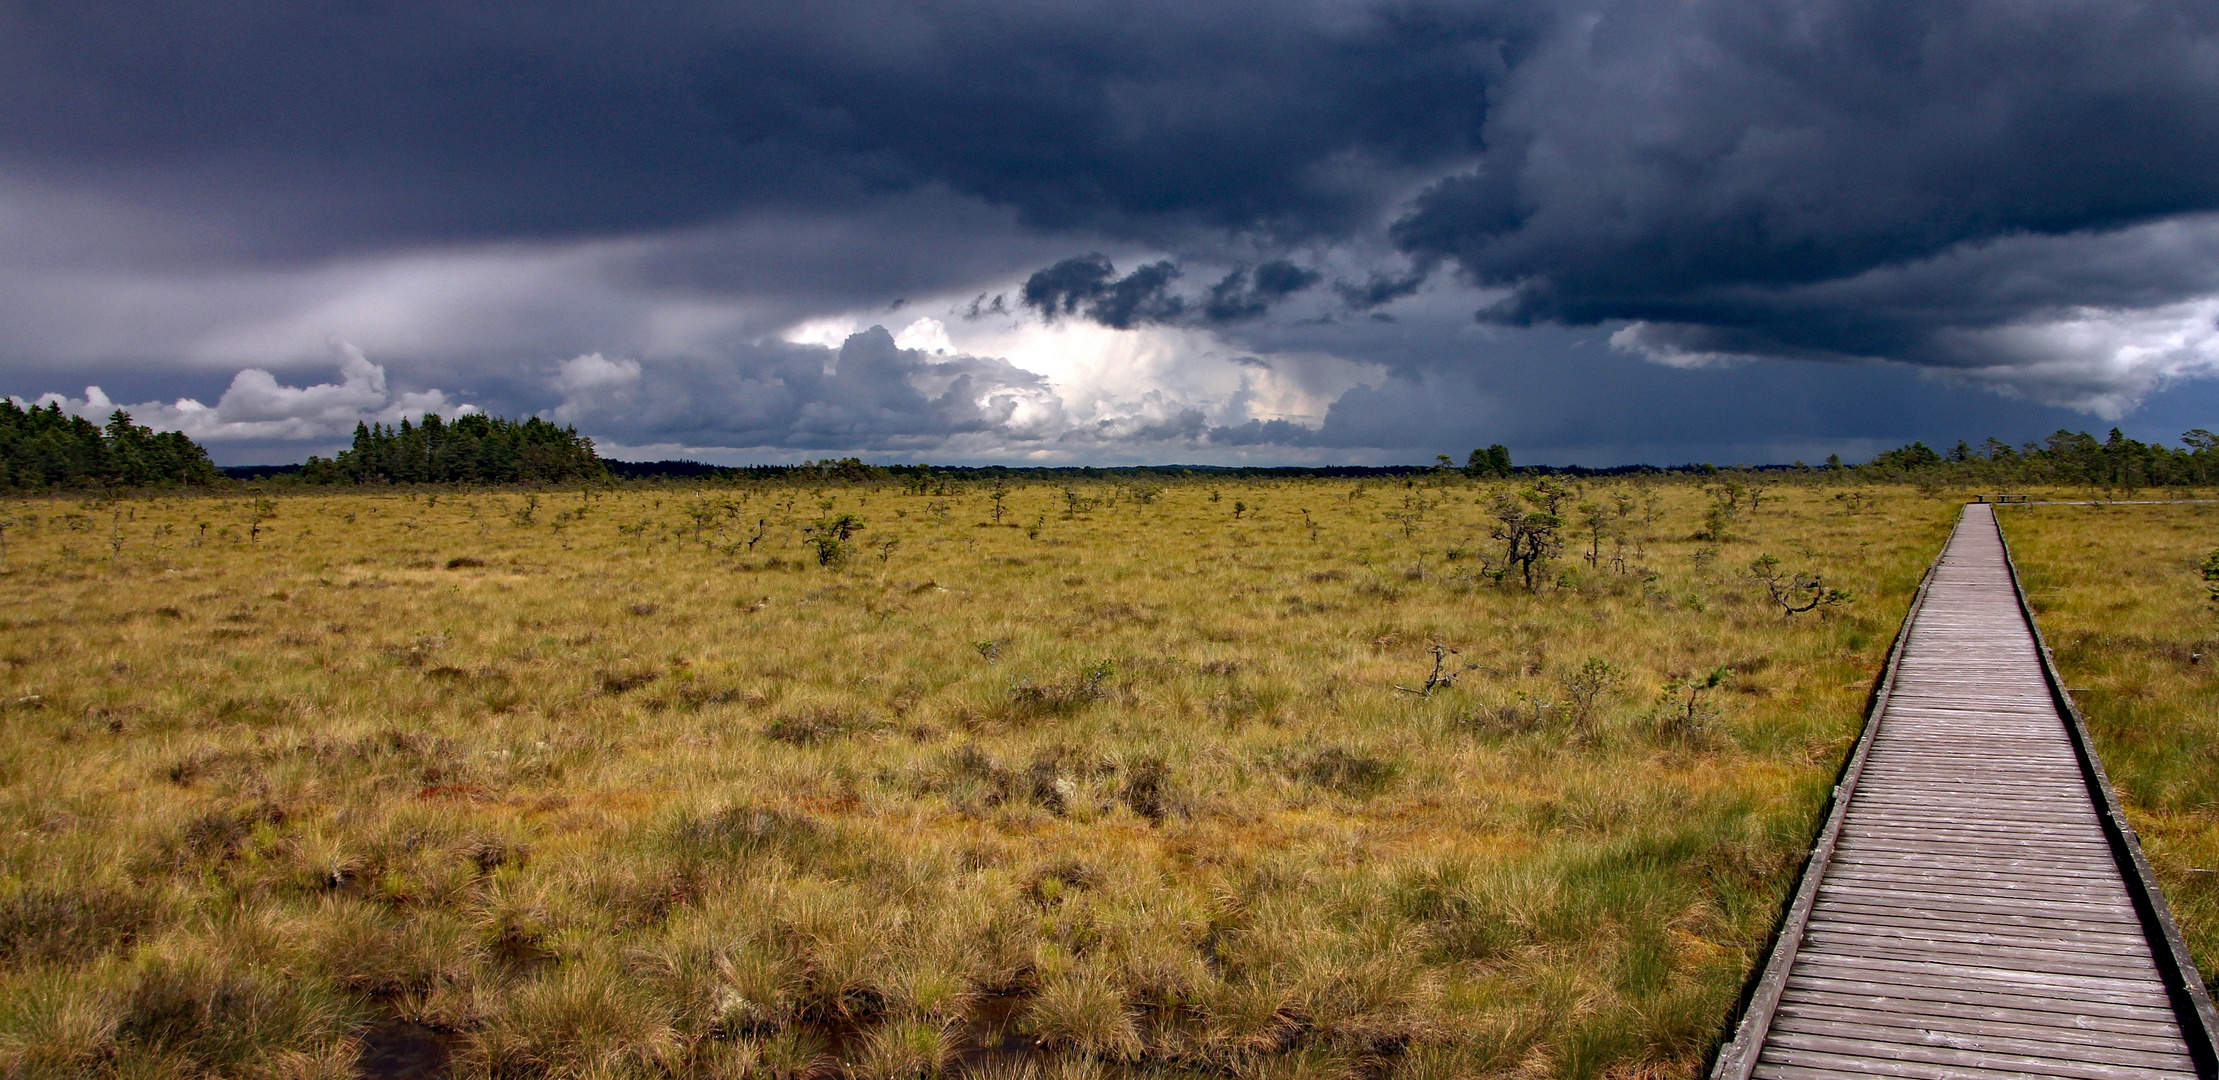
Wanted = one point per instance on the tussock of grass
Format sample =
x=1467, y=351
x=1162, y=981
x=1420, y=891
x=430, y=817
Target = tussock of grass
x=654, y=792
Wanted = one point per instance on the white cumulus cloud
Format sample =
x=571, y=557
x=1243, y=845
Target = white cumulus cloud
x=258, y=407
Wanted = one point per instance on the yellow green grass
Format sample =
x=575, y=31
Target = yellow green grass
x=2120, y=595
x=626, y=783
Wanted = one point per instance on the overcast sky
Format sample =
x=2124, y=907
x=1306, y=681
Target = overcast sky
x=1034, y=231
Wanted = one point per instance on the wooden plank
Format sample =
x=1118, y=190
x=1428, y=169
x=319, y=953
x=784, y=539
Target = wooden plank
x=1969, y=904
x=1961, y=847
x=1923, y=788
x=1862, y=935
x=2142, y=992
x=1992, y=886
x=1771, y=1070
x=1959, y=954
x=2031, y=1026
x=1974, y=902
x=1915, y=770
x=2078, y=840
x=1878, y=1055
x=1969, y=870
x=1991, y=918
x=2075, y=839
x=2082, y=854
x=1929, y=1010
x=2120, y=943
x=2057, y=1044
x=1821, y=1063
x=1854, y=985
x=1922, y=858
x=1926, y=795
x=2072, y=842
x=1975, y=812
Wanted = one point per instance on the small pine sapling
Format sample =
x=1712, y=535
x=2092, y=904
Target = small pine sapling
x=830, y=537
x=1592, y=687
x=1685, y=714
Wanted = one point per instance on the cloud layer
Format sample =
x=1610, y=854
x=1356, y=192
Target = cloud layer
x=1142, y=229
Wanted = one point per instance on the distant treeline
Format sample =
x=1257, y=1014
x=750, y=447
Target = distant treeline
x=45, y=447
x=48, y=447
x=476, y=448
x=2067, y=457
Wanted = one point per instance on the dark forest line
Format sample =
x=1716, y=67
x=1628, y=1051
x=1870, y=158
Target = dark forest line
x=45, y=448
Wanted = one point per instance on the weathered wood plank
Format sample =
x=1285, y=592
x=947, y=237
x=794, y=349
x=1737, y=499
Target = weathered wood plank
x=1878, y=1056
x=1974, y=901
x=2121, y=944
x=1889, y=972
x=1922, y=858
x=1897, y=857
x=2052, y=1043
x=1853, y=984
x=1989, y=886
x=1930, y=1010
x=2019, y=960
x=2125, y=1048
x=1866, y=935
x=1990, y=918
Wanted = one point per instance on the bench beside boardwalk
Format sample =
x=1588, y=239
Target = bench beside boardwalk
x=1975, y=906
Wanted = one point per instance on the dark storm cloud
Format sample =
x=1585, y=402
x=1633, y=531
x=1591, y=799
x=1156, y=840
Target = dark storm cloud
x=1248, y=294
x=1833, y=180
x=321, y=129
x=1636, y=160
x=1379, y=290
x=1089, y=285
x=1739, y=170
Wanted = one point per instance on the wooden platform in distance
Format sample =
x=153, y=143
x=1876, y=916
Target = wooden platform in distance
x=1969, y=916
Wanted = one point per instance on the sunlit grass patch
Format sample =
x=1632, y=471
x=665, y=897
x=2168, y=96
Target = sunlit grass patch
x=1129, y=789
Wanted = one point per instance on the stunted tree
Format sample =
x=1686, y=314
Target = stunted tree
x=1530, y=525
x=830, y=535
x=1599, y=524
x=1803, y=592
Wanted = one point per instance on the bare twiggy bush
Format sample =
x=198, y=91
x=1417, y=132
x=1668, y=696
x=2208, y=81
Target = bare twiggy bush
x=1804, y=591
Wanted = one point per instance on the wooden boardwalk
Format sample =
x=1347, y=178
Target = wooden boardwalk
x=1975, y=906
